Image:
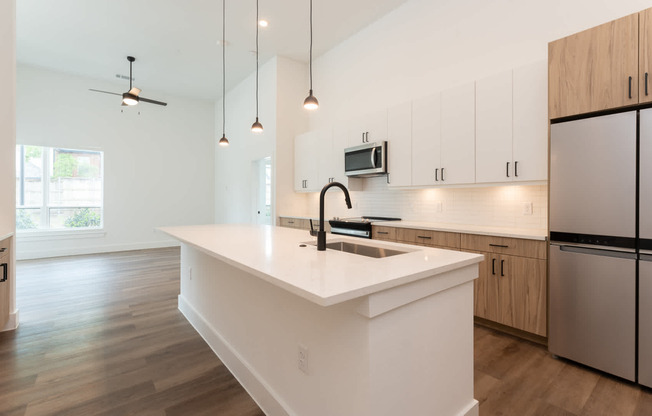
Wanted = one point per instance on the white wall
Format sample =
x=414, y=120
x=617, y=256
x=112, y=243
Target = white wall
x=425, y=46
x=280, y=112
x=158, y=161
x=8, y=142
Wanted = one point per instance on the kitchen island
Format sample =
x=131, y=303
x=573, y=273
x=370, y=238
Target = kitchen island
x=323, y=333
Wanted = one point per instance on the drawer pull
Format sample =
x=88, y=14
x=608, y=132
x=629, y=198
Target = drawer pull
x=290, y=222
x=498, y=245
x=4, y=272
x=2, y=250
x=383, y=232
x=424, y=237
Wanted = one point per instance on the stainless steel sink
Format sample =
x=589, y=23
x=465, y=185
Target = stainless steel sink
x=363, y=250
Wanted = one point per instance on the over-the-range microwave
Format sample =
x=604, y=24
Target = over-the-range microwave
x=369, y=159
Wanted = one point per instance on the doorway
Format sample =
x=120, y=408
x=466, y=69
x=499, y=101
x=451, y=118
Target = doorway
x=262, y=187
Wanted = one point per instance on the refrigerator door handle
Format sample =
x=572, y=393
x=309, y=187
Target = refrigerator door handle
x=598, y=251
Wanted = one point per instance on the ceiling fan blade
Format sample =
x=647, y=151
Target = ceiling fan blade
x=147, y=100
x=105, y=92
x=135, y=91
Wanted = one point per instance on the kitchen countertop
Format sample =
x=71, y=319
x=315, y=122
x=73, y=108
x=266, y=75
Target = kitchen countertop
x=323, y=277
x=530, y=234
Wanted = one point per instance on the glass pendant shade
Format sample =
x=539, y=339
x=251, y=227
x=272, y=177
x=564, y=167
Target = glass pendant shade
x=257, y=127
x=224, y=141
x=310, y=103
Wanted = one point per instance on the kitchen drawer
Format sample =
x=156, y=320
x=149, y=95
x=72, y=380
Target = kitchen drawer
x=290, y=222
x=428, y=237
x=383, y=233
x=505, y=245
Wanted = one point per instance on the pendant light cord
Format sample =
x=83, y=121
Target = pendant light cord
x=310, y=45
x=223, y=69
x=256, y=60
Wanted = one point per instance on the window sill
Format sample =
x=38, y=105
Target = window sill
x=41, y=235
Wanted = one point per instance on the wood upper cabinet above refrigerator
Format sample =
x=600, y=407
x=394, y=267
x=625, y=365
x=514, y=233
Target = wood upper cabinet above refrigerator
x=645, y=56
x=596, y=69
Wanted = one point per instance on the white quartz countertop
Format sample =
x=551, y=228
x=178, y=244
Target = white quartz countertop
x=326, y=277
x=531, y=234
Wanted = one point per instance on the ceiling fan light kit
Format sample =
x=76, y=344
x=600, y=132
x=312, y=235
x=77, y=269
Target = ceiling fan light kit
x=131, y=97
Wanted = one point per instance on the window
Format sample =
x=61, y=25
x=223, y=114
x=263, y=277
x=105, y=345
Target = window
x=58, y=188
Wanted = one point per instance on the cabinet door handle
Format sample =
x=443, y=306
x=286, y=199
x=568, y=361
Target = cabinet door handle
x=646, y=83
x=507, y=169
x=437, y=175
x=498, y=245
x=516, y=168
x=502, y=267
x=4, y=272
x=630, y=87
x=442, y=175
x=493, y=266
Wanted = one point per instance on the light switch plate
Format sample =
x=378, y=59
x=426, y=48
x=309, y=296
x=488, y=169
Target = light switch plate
x=527, y=208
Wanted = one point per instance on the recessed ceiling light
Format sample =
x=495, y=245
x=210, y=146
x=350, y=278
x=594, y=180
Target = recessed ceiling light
x=263, y=23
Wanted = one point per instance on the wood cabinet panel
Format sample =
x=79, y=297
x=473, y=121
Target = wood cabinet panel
x=5, y=292
x=645, y=56
x=383, y=233
x=428, y=237
x=504, y=245
x=591, y=70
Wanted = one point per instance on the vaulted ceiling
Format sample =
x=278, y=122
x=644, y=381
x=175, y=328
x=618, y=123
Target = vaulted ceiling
x=175, y=42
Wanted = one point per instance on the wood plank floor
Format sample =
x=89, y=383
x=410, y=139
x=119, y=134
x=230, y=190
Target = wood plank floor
x=101, y=335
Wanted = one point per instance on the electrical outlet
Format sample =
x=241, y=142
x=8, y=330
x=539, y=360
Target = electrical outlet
x=190, y=273
x=302, y=358
x=439, y=206
x=527, y=208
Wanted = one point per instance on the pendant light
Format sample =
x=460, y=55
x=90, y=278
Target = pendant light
x=310, y=103
x=257, y=127
x=223, y=141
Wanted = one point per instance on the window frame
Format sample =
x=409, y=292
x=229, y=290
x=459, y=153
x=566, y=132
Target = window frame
x=47, y=157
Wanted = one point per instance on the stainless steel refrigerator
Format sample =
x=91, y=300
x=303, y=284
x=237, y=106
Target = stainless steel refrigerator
x=594, y=291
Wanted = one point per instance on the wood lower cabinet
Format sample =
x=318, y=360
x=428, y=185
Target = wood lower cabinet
x=511, y=288
x=5, y=292
x=301, y=223
x=511, y=291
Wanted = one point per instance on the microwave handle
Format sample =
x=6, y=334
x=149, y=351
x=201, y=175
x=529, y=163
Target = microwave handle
x=373, y=157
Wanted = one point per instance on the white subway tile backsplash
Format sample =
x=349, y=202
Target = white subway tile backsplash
x=499, y=206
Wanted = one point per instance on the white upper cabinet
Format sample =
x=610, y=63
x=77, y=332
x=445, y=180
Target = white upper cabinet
x=399, y=145
x=512, y=125
x=306, y=167
x=530, y=146
x=325, y=159
x=458, y=135
x=493, y=139
x=368, y=129
x=426, y=141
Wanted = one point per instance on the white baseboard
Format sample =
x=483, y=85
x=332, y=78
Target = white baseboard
x=12, y=322
x=75, y=251
x=261, y=392
x=472, y=410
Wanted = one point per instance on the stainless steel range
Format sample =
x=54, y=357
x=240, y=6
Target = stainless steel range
x=356, y=226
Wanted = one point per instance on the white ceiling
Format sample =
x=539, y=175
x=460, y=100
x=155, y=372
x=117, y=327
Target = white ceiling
x=175, y=41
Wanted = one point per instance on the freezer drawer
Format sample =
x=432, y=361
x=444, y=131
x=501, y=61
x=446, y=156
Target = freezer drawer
x=592, y=308
x=645, y=322
x=593, y=176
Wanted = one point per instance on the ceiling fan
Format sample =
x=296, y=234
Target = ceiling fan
x=131, y=97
